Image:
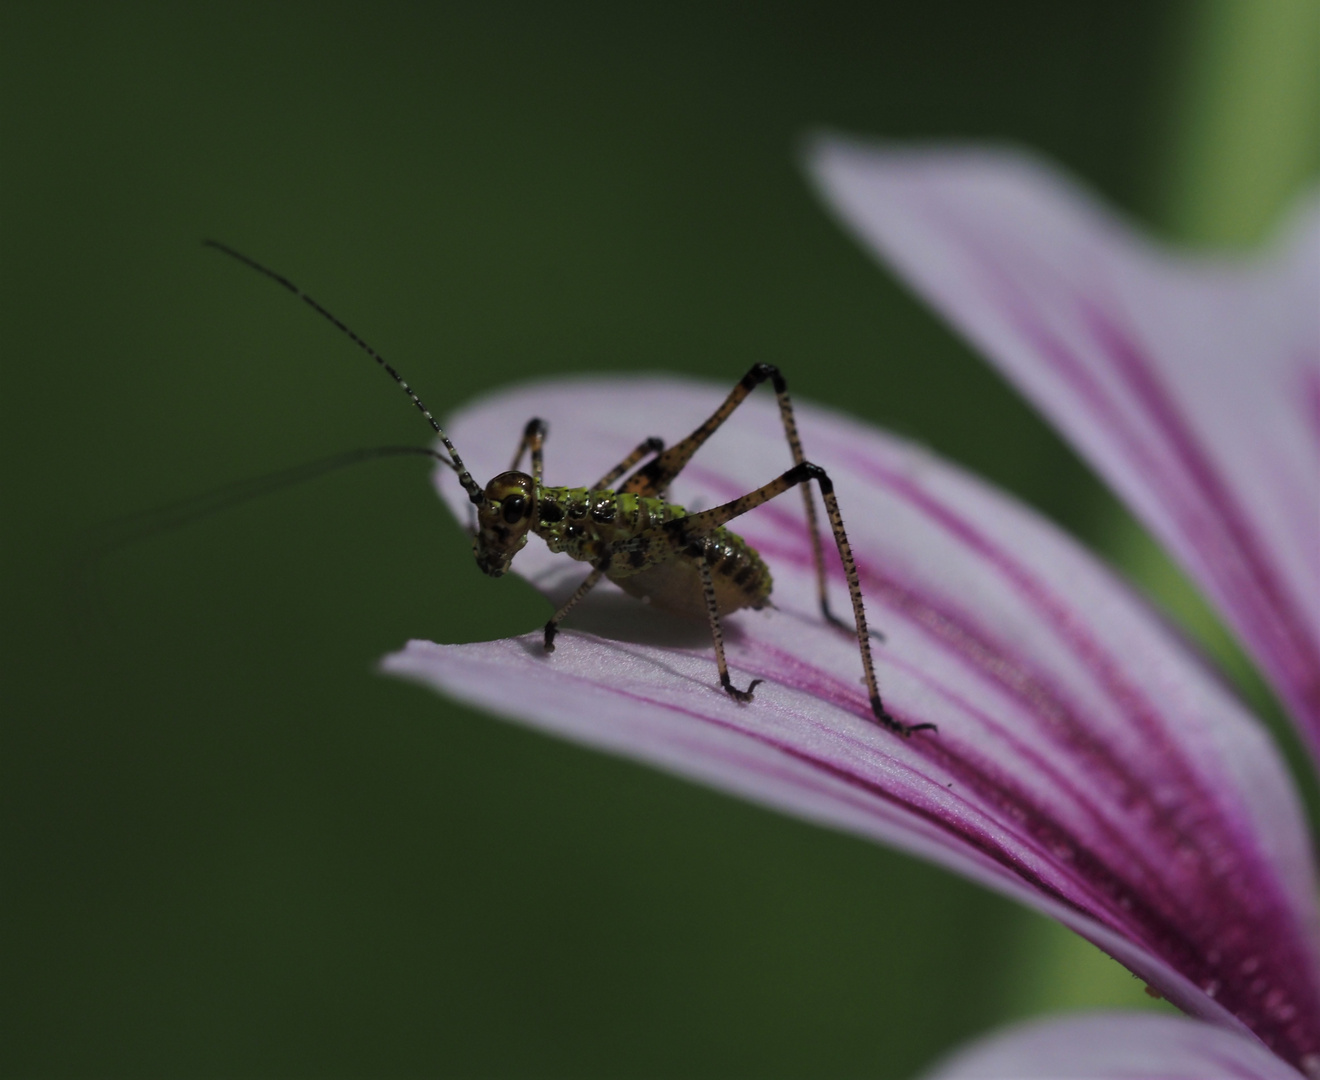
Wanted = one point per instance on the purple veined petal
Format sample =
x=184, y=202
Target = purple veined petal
x=1114, y=1046
x=1192, y=384
x=1085, y=763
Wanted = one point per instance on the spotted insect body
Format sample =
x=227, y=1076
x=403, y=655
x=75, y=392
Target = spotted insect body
x=617, y=532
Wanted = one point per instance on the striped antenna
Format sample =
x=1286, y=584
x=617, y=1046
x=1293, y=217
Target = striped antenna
x=473, y=489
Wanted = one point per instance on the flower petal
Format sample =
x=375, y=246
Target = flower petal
x=1085, y=763
x=1115, y=1046
x=1191, y=384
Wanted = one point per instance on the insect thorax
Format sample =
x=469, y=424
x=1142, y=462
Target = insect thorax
x=585, y=524
x=642, y=556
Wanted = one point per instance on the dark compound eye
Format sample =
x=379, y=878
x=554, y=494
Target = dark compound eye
x=515, y=506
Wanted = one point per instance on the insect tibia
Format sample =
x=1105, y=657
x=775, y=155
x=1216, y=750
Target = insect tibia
x=828, y=615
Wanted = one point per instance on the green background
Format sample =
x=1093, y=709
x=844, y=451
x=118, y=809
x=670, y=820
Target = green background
x=228, y=845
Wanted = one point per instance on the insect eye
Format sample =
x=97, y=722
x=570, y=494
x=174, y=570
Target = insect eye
x=515, y=506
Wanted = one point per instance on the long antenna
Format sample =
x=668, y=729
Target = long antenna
x=102, y=541
x=473, y=489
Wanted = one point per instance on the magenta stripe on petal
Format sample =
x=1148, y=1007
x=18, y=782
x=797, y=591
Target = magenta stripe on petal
x=1085, y=763
x=1228, y=546
x=1115, y=1046
x=1177, y=377
x=1309, y=380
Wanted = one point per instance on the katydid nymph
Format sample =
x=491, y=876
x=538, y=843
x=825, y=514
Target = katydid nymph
x=633, y=535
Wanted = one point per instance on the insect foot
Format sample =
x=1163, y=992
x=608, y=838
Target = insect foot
x=897, y=726
x=739, y=695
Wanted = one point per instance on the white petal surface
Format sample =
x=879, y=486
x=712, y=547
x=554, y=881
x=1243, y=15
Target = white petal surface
x=1115, y=1046
x=1084, y=763
x=1192, y=384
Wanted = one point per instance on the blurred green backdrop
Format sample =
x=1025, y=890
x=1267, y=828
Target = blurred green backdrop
x=229, y=847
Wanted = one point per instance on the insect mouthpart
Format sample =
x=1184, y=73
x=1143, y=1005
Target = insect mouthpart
x=504, y=520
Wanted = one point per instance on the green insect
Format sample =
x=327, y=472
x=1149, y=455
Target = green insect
x=648, y=546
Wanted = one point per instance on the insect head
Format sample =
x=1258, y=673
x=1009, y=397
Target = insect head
x=504, y=518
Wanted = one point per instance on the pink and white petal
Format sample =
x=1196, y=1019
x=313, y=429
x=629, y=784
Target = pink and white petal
x=1085, y=763
x=1192, y=384
x=1116, y=1046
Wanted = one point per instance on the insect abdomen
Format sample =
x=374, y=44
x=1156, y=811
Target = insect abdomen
x=740, y=578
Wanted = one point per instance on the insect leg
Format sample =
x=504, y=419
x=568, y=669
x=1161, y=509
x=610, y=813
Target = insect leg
x=654, y=478
x=533, y=438
x=713, y=614
x=552, y=627
x=813, y=523
x=683, y=531
x=658, y=475
x=652, y=445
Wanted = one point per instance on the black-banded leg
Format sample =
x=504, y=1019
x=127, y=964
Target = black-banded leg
x=653, y=445
x=654, y=478
x=552, y=627
x=717, y=633
x=682, y=531
x=808, y=501
x=533, y=438
x=657, y=476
